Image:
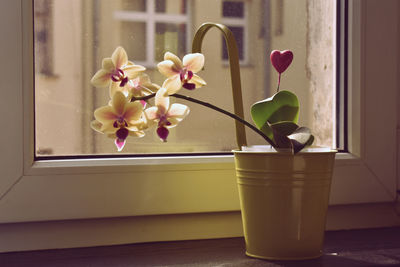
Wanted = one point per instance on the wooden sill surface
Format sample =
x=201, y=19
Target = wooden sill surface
x=370, y=247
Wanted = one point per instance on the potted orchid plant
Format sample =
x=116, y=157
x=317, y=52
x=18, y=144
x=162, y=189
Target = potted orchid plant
x=129, y=112
x=283, y=192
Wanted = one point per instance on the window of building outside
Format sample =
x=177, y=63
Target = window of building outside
x=72, y=38
x=235, y=16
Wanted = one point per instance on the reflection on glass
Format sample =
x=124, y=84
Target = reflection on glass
x=170, y=37
x=133, y=39
x=171, y=6
x=239, y=36
x=233, y=9
x=133, y=5
x=72, y=38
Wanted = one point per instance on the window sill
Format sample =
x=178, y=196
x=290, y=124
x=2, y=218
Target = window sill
x=341, y=248
x=140, y=229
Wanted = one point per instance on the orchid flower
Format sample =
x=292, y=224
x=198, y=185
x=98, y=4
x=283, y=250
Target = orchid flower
x=120, y=119
x=116, y=69
x=164, y=115
x=182, y=74
x=138, y=87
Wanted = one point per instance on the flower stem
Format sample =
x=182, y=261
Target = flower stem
x=279, y=82
x=206, y=104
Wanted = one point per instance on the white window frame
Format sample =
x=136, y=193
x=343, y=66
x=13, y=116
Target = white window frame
x=150, y=18
x=240, y=22
x=35, y=191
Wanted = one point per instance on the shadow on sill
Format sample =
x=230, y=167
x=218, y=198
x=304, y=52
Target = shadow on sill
x=369, y=247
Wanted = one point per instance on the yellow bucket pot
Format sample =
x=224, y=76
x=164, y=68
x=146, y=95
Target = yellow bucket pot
x=284, y=200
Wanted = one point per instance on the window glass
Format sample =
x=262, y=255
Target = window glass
x=76, y=35
x=43, y=37
x=233, y=9
x=134, y=39
x=170, y=37
x=238, y=32
x=134, y=5
x=171, y=6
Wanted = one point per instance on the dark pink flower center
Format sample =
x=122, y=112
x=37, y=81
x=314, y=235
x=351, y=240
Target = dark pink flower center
x=163, y=121
x=186, y=76
x=122, y=134
x=119, y=76
x=162, y=132
x=120, y=122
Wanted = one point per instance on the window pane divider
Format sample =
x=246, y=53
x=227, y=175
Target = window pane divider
x=148, y=16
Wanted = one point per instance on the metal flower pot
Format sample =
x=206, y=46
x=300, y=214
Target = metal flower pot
x=284, y=200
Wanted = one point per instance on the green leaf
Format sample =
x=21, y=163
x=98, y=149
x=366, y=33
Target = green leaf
x=287, y=135
x=301, y=138
x=281, y=130
x=283, y=106
x=284, y=127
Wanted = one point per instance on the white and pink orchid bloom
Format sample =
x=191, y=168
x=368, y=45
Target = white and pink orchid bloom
x=138, y=87
x=164, y=115
x=116, y=69
x=182, y=74
x=120, y=119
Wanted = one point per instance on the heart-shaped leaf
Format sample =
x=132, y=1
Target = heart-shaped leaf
x=281, y=130
x=289, y=135
x=301, y=138
x=281, y=60
x=281, y=107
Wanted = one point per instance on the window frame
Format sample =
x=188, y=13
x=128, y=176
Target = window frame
x=33, y=191
x=150, y=17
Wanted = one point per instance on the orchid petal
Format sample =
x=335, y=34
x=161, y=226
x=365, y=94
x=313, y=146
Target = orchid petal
x=167, y=68
x=176, y=114
x=108, y=128
x=96, y=125
x=162, y=101
x=151, y=88
x=132, y=71
x=101, y=79
x=194, y=62
x=144, y=103
x=105, y=114
x=133, y=111
x=178, y=111
x=122, y=133
x=138, y=125
x=198, y=81
x=108, y=65
x=144, y=79
x=120, y=144
x=114, y=87
x=162, y=133
x=151, y=113
x=172, y=84
x=136, y=133
x=118, y=102
x=176, y=60
x=119, y=57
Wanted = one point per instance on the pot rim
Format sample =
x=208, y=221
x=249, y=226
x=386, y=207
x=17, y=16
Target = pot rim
x=268, y=149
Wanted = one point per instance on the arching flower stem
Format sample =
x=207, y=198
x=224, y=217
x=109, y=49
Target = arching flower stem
x=206, y=104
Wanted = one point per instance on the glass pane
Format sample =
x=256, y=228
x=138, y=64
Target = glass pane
x=239, y=36
x=43, y=37
x=233, y=9
x=133, y=5
x=133, y=39
x=170, y=37
x=171, y=6
x=79, y=34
